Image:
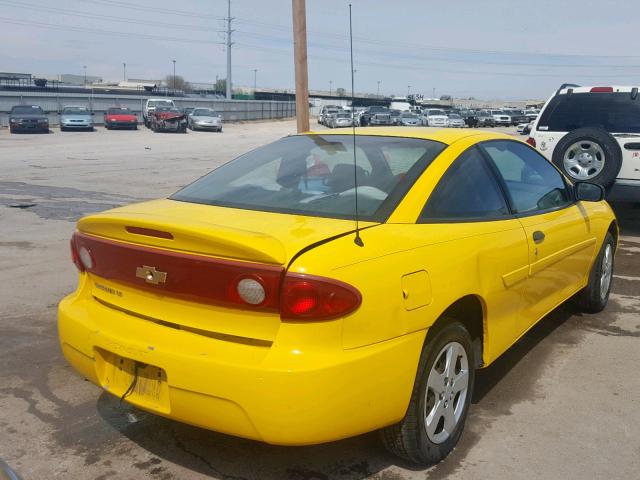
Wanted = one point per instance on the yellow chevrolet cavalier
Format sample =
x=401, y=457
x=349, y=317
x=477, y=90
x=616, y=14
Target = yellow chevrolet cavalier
x=247, y=303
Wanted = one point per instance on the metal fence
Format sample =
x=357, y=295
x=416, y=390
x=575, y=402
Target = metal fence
x=53, y=102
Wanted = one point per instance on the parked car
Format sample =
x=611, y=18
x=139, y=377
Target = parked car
x=470, y=118
x=167, y=119
x=246, y=303
x=593, y=133
x=517, y=117
x=524, y=128
x=434, y=117
x=187, y=110
x=455, y=121
x=205, y=119
x=28, y=118
x=485, y=119
x=76, y=118
x=395, y=116
x=150, y=105
x=120, y=117
x=376, y=115
x=500, y=118
x=340, y=119
x=325, y=111
x=408, y=119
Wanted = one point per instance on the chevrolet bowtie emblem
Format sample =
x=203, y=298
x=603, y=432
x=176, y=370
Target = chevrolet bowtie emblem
x=151, y=275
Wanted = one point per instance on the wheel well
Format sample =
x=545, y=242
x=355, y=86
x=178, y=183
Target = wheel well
x=469, y=311
x=613, y=230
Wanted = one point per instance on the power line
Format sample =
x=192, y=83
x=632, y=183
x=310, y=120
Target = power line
x=153, y=9
x=73, y=13
x=111, y=33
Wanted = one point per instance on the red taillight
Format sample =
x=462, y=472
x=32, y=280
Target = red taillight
x=305, y=297
x=602, y=90
x=531, y=141
x=75, y=256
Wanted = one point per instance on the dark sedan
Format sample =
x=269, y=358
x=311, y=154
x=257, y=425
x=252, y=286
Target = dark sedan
x=28, y=118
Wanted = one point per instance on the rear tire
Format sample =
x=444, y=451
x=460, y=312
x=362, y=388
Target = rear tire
x=423, y=436
x=594, y=297
x=605, y=155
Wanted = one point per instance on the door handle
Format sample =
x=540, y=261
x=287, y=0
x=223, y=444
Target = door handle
x=538, y=236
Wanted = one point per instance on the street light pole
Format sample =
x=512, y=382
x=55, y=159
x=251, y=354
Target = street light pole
x=330, y=84
x=85, y=75
x=378, y=94
x=124, y=72
x=255, y=81
x=408, y=90
x=434, y=93
x=174, y=77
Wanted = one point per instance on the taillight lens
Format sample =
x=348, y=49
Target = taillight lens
x=306, y=297
x=531, y=141
x=75, y=256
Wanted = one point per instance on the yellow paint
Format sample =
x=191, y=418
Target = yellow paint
x=253, y=375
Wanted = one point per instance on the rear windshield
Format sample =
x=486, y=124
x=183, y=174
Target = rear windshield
x=204, y=112
x=156, y=103
x=615, y=112
x=314, y=175
x=26, y=109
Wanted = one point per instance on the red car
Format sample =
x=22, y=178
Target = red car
x=120, y=117
x=168, y=119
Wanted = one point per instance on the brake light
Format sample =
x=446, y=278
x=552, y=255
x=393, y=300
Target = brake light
x=531, y=141
x=305, y=297
x=602, y=90
x=75, y=256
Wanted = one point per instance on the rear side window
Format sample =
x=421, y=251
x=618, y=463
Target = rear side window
x=532, y=182
x=614, y=112
x=467, y=191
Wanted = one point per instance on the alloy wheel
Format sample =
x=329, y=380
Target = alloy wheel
x=606, y=271
x=446, y=392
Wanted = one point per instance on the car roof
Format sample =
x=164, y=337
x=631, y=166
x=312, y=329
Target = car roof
x=443, y=135
x=616, y=88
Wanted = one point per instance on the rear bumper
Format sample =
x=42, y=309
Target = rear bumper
x=290, y=393
x=624, y=191
x=121, y=124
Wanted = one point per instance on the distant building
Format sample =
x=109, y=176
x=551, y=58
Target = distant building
x=71, y=79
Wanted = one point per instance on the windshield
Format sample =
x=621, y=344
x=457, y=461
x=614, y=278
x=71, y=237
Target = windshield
x=26, y=109
x=204, y=112
x=437, y=112
x=454, y=115
x=409, y=115
x=119, y=111
x=314, y=175
x=75, y=110
x=157, y=103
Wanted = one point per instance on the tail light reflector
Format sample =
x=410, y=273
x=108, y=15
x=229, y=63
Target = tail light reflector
x=602, y=90
x=306, y=297
x=531, y=141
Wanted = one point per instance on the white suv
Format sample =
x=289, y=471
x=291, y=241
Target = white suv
x=593, y=133
x=151, y=104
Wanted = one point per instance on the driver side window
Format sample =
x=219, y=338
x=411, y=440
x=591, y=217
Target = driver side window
x=533, y=184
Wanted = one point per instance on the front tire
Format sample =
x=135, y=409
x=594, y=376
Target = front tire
x=594, y=297
x=440, y=399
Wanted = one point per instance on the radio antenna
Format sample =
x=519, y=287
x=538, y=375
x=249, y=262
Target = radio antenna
x=358, y=240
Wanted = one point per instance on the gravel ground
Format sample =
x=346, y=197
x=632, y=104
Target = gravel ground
x=563, y=403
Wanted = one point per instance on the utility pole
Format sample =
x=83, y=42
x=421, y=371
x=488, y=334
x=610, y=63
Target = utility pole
x=85, y=75
x=300, y=59
x=408, y=90
x=255, y=81
x=174, y=76
x=330, y=84
x=378, y=94
x=434, y=93
x=124, y=72
x=229, y=43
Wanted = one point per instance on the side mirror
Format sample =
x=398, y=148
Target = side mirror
x=589, y=192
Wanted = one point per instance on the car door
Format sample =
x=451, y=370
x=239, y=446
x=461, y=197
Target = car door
x=561, y=242
x=484, y=242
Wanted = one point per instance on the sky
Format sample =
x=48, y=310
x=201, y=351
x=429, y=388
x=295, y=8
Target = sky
x=491, y=49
